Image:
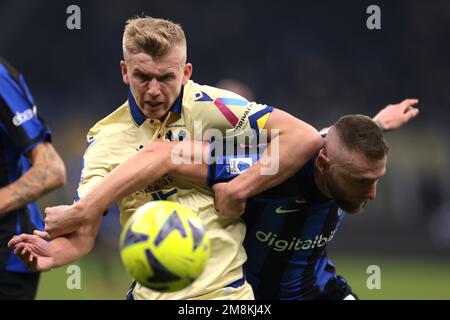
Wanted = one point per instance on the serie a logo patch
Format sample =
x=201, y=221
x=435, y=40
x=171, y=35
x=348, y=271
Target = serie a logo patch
x=240, y=165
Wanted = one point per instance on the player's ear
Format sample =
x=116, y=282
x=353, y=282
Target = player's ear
x=322, y=162
x=123, y=69
x=187, y=72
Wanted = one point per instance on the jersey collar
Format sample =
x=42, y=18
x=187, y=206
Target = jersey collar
x=137, y=115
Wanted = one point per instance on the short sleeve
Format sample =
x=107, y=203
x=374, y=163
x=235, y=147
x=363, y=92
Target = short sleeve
x=96, y=165
x=227, y=112
x=18, y=113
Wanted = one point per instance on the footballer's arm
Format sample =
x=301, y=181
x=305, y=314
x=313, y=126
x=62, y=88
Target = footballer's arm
x=293, y=144
x=230, y=197
x=393, y=116
x=47, y=173
x=149, y=164
x=297, y=142
x=145, y=167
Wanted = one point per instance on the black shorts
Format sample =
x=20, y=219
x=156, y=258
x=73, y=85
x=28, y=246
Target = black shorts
x=18, y=285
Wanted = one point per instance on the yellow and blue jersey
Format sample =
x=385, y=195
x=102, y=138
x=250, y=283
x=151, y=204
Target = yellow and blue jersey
x=21, y=129
x=198, y=109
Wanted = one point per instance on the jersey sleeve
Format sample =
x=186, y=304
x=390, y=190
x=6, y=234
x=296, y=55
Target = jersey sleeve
x=217, y=110
x=225, y=164
x=96, y=165
x=18, y=113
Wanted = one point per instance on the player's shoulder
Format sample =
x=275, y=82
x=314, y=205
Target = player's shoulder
x=8, y=74
x=7, y=70
x=196, y=94
x=4, y=75
x=113, y=124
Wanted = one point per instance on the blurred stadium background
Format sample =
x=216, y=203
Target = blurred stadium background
x=317, y=61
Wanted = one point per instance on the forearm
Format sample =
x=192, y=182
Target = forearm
x=31, y=186
x=192, y=172
x=46, y=173
x=285, y=154
x=275, y=166
x=71, y=247
x=68, y=249
x=143, y=169
x=393, y=116
x=194, y=165
x=147, y=166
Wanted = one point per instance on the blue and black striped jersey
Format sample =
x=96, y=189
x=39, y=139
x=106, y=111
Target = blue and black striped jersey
x=20, y=131
x=288, y=229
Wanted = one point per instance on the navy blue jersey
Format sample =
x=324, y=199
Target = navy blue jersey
x=20, y=131
x=288, y=229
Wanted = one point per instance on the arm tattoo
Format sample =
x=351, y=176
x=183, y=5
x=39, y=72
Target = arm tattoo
x=43, y=176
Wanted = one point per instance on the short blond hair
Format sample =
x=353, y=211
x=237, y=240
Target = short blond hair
x=153, y=36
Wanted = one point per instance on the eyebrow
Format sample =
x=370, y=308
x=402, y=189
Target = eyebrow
x=366, y=179
x=363, y=179
x=139, y=71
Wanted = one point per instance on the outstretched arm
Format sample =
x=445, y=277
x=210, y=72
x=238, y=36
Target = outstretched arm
x=296, y=142
x=230, y=197
x=393, y=116
x=146, y=166
x=85, y=216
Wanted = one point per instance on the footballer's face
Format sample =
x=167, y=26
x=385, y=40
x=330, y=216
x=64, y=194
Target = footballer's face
x=354, y=181
x=156, y=83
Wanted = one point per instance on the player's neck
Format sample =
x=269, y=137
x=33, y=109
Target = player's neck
x=161, y=119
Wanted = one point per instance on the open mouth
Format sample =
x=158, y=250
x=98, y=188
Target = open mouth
x=153, y=103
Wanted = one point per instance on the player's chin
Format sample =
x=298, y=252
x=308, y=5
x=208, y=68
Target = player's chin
x=352, y=208
x=357, y=209
x=155, y=111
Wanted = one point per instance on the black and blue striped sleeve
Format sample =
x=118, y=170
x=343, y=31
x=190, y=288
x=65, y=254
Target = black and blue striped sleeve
x=18, y=113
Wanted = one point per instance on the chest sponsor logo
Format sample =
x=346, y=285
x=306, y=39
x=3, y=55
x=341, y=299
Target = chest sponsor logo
x=294, y=244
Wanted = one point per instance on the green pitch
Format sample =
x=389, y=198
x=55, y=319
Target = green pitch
x=101, y=278
x=400, y=278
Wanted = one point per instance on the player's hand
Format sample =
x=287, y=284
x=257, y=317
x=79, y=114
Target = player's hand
x=226, y=203
x=62, y=220
x=394, y=116
x=33, y=251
